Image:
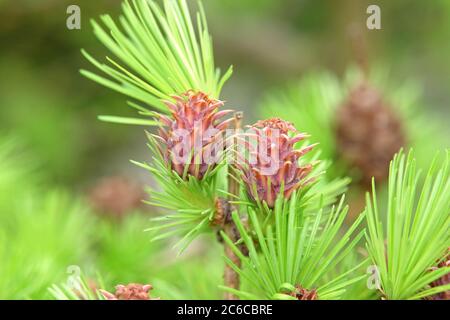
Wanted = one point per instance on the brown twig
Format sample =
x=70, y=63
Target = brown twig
x=231, y=277
x=360, y=48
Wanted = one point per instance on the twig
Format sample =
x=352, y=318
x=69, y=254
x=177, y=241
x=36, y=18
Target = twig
x=359, y=48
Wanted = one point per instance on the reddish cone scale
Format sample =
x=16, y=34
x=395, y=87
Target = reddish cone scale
x=193, y=135
x=304, y=294
x=132, y=291
x=273, y=165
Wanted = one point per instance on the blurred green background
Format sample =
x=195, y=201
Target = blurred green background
x=51, y=110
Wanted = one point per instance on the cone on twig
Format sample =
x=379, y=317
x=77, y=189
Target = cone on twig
x=192, y=137
x=132, y=291
x=116, y=196
x=368, y=133
x=271, y=166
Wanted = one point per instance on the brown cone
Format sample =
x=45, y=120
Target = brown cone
x=116, y=196
x=275, y=168
x=368, y=133
x=191, y=137
x=132, y=291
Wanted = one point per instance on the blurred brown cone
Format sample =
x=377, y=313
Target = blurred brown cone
x=368, y=133
x=116, y=196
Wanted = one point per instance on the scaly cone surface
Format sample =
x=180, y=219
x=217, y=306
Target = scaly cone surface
x=368, y=133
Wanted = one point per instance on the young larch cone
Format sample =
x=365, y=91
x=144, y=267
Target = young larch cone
x=132, y=291
x=193, y=135
x=271, y=163
x=304, y=294
x=444, y=280
x=116, y=196
x=368, y=133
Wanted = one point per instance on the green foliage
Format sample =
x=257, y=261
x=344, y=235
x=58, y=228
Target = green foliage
x=78, y=288
x=44, y=230
x=16, y=167
x=43, y=118
x=170, y=278
x=33, y=262
x=124, y=253
x=416, y=235
x=296, y=250
x=195, y=275
x=191, y=201
x=160, y=51
x=41, y=233
x=323, y=191
x=357, y=290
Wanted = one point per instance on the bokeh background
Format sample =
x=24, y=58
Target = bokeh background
x=51, y=111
